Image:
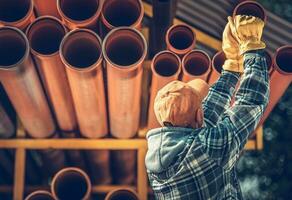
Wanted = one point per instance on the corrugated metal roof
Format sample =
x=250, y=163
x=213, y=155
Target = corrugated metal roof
x=210, y=16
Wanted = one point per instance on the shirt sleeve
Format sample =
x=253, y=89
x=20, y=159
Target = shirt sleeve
x=225, y=141
x=219, y=97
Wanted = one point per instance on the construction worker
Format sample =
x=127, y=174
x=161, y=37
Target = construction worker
x=194, y=154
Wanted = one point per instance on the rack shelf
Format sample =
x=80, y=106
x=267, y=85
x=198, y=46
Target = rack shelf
x=139, y=144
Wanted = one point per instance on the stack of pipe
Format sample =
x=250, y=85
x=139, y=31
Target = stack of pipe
x=165, y=67
x=86, y=81
x=23, y=86
x=44, y=36
x=81, y=53
x=73, y=80
x=180, y=61
x=181, y=40
x=280, y=78
x=124, y=49
x=73, y=183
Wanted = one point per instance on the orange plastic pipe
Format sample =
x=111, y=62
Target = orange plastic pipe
x=22, y=84
x=116, y=13
x=81, y=52
x=80, y=13
x=196, y=64
x=16, y=13
x=180, y=39
x=45, y=35
x=217, y=63
x=48, y=7
x=40, y=195
x=122, y=194
x=165, y=67
x=219, y=59
x=281, y=77
x=71, y=183
x=250, y=8
x=124, y=52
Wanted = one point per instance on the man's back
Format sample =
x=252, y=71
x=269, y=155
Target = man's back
x=188, y=175
x=200, y=163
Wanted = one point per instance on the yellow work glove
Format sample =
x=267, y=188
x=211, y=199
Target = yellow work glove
x=230, y=47
x=248, y=31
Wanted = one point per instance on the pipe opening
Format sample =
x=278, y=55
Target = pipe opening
x=81, y=49
x=71, y=185
x=46, y=35
x=251, y=8
x=40, y=196
x=122, y=13
x=197, y=63
x=284, y=59
x=166, y=64
x=124, y=47
x=79, y=10
x=14, y=10
x=218, y=61
x=181, y=37
x=13, y=47
x=122, y=195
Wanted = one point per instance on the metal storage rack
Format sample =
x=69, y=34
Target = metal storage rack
x=21, y=145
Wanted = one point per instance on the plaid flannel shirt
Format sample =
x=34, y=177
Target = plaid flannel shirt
x=203, y=166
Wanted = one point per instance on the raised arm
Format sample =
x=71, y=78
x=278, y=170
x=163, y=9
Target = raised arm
x=219, y=97
x=220, y=94
x=225, y=141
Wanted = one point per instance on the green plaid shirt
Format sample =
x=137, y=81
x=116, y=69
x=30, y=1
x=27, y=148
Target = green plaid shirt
x=184, y=163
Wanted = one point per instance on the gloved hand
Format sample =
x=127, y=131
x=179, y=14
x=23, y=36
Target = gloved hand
x=230, y=47
x=248, y=32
